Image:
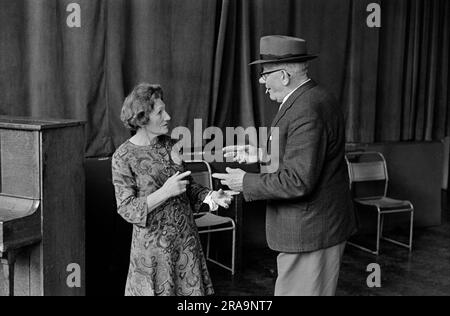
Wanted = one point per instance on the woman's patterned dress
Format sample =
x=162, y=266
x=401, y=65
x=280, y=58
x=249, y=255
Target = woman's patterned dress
x=166, y=255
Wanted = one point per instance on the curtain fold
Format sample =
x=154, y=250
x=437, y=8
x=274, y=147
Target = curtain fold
x=50, y=70
x=392, y=82
x=167, y=42
x=412, y=103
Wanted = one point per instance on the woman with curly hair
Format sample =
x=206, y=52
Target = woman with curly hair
x=155, y=193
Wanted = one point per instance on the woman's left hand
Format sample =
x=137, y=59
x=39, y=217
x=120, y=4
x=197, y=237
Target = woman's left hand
x=223, y=198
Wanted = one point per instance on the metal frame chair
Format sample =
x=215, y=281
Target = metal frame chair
x=209, y=222
x=363, y=169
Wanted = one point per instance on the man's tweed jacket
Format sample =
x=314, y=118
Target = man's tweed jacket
x=308, y=200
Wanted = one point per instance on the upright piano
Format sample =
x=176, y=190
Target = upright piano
x=41, y=206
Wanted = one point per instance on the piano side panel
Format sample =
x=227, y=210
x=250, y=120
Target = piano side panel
x=63, y=208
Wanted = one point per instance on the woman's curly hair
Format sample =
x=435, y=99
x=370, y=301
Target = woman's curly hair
x=138, y=105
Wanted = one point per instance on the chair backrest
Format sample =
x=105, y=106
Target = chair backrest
x=201, y=172
x=367, y=173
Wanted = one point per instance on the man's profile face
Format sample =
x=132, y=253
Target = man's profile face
x=273, y=82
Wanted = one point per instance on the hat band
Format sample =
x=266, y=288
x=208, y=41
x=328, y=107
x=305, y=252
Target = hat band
x=271, y=57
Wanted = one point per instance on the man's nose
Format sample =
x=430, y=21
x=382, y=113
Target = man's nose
x=167, y=118
x=262, y=81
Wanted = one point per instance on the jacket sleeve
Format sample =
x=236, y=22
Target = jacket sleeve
x=302, y=165
x=132, y=208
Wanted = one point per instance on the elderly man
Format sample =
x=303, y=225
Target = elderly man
x=309, y=209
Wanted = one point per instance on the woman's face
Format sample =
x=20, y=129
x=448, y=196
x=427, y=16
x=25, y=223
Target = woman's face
x=159, y=119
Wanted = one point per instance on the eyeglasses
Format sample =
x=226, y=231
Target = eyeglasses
x=264, y=75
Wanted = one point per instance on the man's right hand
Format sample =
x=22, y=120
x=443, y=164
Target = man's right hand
x=243, y=153
x=175, y=185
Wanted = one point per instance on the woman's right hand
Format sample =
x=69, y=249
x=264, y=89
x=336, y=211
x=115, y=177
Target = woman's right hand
x=175, y=185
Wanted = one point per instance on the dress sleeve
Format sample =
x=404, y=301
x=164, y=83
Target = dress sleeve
x=197, y=194
x=132, y=208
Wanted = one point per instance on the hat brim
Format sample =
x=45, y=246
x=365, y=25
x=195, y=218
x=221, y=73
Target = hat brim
x=283, y=60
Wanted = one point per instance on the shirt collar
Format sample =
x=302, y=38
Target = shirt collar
x=290, y=93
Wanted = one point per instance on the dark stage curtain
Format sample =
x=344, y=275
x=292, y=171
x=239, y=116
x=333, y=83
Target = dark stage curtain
x=51, y=70
x=392, y=81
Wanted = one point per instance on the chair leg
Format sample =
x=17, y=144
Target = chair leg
x=231, y=268
x=208, y=242
x=411, y=227
x=233, y=253
x=401, y=244
x=362, y=248
x=379, y=228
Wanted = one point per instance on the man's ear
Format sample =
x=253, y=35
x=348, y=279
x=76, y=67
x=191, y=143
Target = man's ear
x=285, y=78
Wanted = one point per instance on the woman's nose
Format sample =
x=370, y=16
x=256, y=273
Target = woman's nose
x=261, y=80
x=167, y=118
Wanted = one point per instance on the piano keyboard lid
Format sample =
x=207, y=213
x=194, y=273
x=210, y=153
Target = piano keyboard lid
x=12, y=208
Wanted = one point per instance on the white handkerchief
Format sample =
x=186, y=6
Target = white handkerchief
x=213, y=206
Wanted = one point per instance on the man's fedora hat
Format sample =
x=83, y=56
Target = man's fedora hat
x=280, y=49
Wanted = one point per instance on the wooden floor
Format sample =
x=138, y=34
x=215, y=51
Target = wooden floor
x=425, y=271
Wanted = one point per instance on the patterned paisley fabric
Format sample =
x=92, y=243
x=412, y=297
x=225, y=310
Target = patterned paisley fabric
x=166, y=254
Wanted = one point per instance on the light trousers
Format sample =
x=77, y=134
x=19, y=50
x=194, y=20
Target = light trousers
x=309, y=274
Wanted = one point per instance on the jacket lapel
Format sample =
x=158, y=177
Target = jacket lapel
x=290, y=101
x=288, y=104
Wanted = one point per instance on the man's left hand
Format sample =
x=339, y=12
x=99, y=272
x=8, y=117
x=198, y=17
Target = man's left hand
x=234, y=179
